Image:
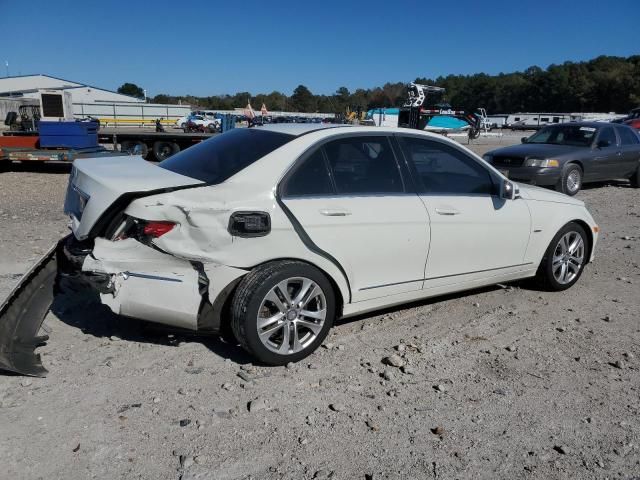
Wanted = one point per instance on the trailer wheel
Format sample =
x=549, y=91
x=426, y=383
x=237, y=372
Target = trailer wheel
x=135, y=147
x=163, y=149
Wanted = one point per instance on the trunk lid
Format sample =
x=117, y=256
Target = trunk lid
x=96, y=185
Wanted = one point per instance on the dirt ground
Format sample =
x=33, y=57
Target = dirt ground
x=504, y=382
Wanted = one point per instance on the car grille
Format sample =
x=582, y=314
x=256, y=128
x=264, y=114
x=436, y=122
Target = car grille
x=508, y=161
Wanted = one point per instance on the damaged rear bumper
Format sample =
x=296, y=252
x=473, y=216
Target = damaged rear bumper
x=140, y=281
x=133, y=280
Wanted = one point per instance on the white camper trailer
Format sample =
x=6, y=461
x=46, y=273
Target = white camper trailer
x=534, y=121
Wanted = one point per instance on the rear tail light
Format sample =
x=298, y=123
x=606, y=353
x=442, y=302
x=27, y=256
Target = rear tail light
x=155, y=229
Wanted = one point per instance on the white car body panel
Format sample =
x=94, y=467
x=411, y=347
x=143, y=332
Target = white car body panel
x=148, y=284
x=105, y=179
x=399, y=244
x=474, y=234
x=202, y=215
x=395, y=228
x=462, y=283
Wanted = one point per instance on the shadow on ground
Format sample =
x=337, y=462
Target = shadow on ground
x=84, y=311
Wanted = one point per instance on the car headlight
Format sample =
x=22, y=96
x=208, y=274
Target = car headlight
x=487, y=158
x=541, y=162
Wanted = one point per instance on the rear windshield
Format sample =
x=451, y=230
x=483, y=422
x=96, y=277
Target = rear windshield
x=575, y=135
x=217, y=159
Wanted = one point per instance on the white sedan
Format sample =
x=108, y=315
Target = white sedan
x=272, y=233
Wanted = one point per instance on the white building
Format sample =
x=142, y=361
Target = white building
x=111, y=108
x=28, y=86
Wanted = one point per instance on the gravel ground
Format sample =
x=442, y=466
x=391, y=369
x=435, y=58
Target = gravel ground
x=503, y=382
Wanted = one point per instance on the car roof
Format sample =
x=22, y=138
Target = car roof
x=296, y=129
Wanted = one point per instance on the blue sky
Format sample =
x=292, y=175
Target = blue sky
x=212, y=47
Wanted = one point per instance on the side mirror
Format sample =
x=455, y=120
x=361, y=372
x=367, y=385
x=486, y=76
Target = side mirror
x=603, y=144
x=509, y=190
x=524, y=139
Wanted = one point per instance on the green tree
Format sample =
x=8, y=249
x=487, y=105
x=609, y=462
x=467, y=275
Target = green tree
x=303, y=100
x=602, y=84
x=131, y=89
x=162, y=98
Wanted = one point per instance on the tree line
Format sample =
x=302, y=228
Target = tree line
x=602, y=84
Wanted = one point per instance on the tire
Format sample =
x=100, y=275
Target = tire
x=163, y=149
x=251, y=302
x=635, y=178
x=182, y=125
x=550, y=272
x=570, y=179
x=129, y=147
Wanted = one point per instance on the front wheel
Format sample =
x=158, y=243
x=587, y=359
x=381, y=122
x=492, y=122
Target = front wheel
x=565, y=258
x=570, y=179
x=282, y=311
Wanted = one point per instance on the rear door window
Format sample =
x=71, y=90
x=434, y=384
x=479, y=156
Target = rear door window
x=608, y=135
x=310, y=178
x=627, y=136
x=364, y=165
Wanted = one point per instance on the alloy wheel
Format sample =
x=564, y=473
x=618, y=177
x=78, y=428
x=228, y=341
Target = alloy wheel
x=568, y=258
x=291, y=315
x=573, y=181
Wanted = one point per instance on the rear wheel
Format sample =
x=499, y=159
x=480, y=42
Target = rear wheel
x=570, y=179
x=282, y=311
x=565, y=258
x=163, y=150
x=135, y=147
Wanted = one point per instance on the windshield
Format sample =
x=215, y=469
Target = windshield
x=217, y=159
x=574, y=135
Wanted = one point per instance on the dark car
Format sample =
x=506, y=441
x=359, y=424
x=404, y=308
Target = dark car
x=567, y=155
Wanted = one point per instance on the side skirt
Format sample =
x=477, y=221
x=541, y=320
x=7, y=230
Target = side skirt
x=428, y=292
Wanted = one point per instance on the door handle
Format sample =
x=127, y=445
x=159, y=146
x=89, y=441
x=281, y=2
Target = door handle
x=328, y=212
x=447, y=211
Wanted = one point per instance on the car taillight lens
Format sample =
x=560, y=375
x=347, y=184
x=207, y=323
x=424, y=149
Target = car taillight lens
x=157, y=229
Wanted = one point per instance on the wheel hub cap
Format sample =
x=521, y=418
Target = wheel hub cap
x=568, y=258
x=291, y=315
x=573, y=181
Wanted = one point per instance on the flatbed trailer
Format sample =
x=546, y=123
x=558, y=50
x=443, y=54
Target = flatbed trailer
x=58, y=155
x=151, y=145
